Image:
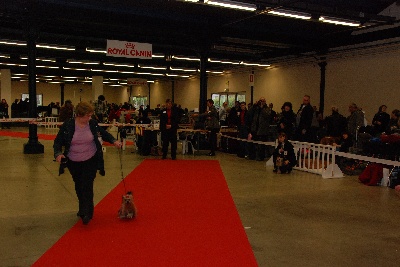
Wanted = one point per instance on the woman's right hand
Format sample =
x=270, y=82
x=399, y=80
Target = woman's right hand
x=59, y=158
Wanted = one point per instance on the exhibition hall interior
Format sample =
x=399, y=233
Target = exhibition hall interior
x=271, y=184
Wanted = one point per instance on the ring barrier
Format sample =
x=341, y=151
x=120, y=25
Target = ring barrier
x=319, y=158
x=313, y=158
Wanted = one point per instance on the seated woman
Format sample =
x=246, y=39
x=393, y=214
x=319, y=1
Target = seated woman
x=283, y=156
x=345, y=143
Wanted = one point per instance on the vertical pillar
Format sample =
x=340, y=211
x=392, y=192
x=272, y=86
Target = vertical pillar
x=97, y=87
x=252, y=92
x=173, y=91
x=322, y=65
x=203, y=83
x=6, y=87
x=148, y=99
x=33, y=146
x=62, y=86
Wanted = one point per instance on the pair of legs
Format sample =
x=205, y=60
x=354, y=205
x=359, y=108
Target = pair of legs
x=83, y=174
x=167, y=137
x=213, y=141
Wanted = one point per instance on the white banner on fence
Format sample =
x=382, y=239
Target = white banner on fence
x=126, y=49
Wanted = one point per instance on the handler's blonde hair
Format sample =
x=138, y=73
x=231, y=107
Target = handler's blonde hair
x=83, y=109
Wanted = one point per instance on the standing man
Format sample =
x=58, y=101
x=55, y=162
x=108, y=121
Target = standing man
x=355, y=120
x=260, y=116
x=304, y=120
x=100, y=108
x=243, y=130
x=212, y=124
x=223, y=114
x=169, y=120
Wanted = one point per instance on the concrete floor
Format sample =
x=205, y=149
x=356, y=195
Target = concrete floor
x=298, y=219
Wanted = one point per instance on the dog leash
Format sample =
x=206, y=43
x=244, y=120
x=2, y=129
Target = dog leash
x=122, y=172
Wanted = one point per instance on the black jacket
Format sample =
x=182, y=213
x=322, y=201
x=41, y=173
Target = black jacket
x=66, y=133
x=287, y=154
x=175, y=117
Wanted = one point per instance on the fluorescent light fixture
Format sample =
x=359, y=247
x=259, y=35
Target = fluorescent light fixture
x=223, y=62
x=73, y=61
x=231, y=4
x=290, y=14
x=118, y=65
x=12, y=64
x=159, y=56
x=46, y=46
x=47, y=67
x=4, y=56
x=256, y=64
x=215, y=72
x=186, y=58
x=41, y=59
x=179, y=69
x=339, y=22
x=192, y=1
x=7, y=42
x=153, y=68
x=95, y=50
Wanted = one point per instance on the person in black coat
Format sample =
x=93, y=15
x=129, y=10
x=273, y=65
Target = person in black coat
x=381, y=120
x=169, y=120
x=283, y=156
x=287, y=121
x=303, y=121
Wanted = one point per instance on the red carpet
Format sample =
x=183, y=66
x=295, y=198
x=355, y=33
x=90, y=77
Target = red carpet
x=186, y=217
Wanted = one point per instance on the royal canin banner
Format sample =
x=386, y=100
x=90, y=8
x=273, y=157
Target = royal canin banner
x=133, y=81
x=117, y=48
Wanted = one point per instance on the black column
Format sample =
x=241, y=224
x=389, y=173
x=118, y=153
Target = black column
x=173, y=91
x=322, y=65
x=252, y=92
x=33, y=146
x=203, y=83
x=62, y=86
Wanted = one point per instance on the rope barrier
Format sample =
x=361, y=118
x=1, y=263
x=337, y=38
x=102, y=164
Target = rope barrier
x=331, y=150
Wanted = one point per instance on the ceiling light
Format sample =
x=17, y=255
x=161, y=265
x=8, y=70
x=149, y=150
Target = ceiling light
x=55, y=47
x=290, y=14
x=231, y=4
x=339, y=22
x=153, y=68
x=6, y=42
x=180, y=69
x=95, y=50
x=186, y=58
x=72, y=61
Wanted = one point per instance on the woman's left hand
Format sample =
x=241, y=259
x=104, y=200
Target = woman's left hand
x=117, y=144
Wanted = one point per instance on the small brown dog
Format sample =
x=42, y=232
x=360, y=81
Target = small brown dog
x=279, y=163
x=128, y=209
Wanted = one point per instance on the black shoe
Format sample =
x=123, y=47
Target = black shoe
x=85, y=219
x=102, y=172
x=275, y=170
x=164, y=157
x=211, y=154
x=173, y=158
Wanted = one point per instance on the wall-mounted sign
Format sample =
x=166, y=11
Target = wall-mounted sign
x=251, y=79
x=117, y=48
x=136, y=81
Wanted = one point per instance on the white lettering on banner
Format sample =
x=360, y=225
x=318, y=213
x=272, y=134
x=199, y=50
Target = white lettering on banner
x=117, y=48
